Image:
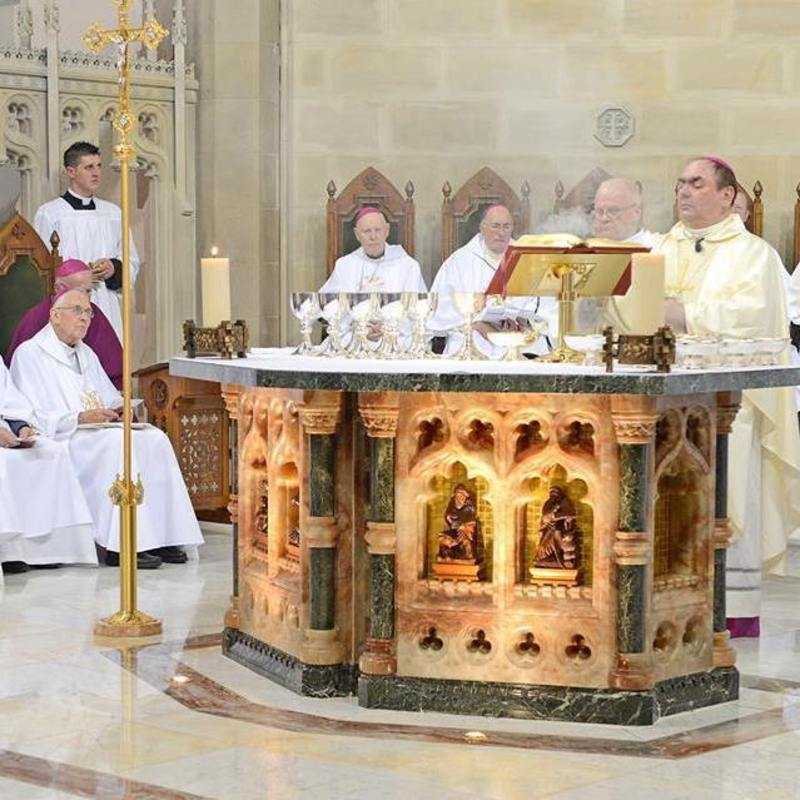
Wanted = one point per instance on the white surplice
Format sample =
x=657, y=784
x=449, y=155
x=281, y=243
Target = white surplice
x=44, y=518
x=89, y=236
x=645, y=238
x=471, y=269
x=394, y=271
x=60, y=382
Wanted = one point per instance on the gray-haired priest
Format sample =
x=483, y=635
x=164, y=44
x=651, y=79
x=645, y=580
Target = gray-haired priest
x=44, y=519
x=65, y=383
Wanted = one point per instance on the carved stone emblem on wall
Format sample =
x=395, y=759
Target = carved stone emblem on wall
x=72, y=120
x=615, y=125
x=19, y=118
x=459, y=541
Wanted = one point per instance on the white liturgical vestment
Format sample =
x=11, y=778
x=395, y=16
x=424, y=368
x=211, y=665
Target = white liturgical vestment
x=731, y=285
x=645, y=238
x=44, y=518
x=88, y=234
x=394, y=271
x=471, y=269
x=60, y=382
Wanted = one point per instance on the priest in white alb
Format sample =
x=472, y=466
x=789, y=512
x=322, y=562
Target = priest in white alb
x=471, y=269
x=722, y=280
x=89, y=229
x=617, y=213
x=44, y=519
x=72, y=396
x=375, y=266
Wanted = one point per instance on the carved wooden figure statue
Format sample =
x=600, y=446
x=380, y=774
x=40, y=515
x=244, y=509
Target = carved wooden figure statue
x=459, y=539
x=559, y=538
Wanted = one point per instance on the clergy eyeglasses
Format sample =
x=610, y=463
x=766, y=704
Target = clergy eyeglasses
x=79, y=311
x=501, y=226
x=612, y=212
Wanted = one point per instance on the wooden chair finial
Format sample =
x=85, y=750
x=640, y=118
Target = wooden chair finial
x=55, y=241
x=559, y=190
x=525, y=190
x=447, y=190
x=410, y=189
x=331, y=189
x=757, y=190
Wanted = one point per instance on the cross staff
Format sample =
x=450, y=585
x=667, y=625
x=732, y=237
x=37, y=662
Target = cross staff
x=128, y=621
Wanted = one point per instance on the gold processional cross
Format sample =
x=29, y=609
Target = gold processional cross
x=128, y=621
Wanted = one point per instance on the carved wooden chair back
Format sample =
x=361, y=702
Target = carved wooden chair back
x=462, y=211
x=581, y=195
x=27, y=273
x=369, y=188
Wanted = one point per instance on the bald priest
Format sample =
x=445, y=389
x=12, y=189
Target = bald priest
x=63, y=380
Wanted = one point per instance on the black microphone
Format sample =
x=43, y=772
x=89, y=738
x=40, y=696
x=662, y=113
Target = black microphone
x=698, y=245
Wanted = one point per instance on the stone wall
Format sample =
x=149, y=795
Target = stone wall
x=432, y=90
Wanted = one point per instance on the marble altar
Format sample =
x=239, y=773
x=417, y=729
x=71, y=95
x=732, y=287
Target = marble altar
x=394, y=526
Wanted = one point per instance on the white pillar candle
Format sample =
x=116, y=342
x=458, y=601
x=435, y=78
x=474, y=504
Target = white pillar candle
x=216, y=281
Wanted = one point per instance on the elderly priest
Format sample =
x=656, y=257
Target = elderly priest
x=375, y=266
x=617, y=212
x=64, y=381
x=471, y=269
x=44, y=519
x=722, y=280
x=74, y=274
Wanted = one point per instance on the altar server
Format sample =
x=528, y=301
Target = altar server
x=89, y=229
x=72, y=396
x=617, y=212
x=375, y=266
x=44, y=519
x=74, y=274
x=722, y=280
x=471, y=269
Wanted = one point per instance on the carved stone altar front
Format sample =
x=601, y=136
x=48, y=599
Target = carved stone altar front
x=531, y=550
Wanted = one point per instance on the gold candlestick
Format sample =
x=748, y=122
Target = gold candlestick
x=128, y=621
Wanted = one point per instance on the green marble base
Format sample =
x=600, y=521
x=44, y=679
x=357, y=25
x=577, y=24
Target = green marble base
x=566, y=704
x=312, y=680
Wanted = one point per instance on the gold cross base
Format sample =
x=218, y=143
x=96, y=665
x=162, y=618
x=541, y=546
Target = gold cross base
x=123, y=624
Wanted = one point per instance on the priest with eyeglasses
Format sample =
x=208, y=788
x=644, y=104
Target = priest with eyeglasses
x=64, y=382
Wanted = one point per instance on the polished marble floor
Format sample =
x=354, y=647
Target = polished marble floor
x=177, y=720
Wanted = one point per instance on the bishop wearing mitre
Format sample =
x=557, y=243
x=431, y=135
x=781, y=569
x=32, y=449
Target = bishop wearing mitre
x=722, y=280
x=89, y=229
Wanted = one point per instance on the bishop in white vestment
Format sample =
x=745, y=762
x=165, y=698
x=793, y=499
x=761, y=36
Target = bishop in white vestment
x=471, y=269
x=44, y=518
x=375, y=266
x=89, y=229
x=72, y=396
x=724, y=281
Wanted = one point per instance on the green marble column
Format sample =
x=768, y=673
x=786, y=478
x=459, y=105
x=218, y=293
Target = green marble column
x=322, y=600
x=633, y=490
x=322, y=503
x=322, y=475
x=382, y=566
x=721, y=513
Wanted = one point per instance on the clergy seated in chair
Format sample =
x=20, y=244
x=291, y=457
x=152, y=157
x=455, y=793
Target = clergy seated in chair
x=44, y=519
x=63, y=380
x=375, y=266
x=722, y=280
x=471, y=269
x=101, y=337
x=617, y=212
